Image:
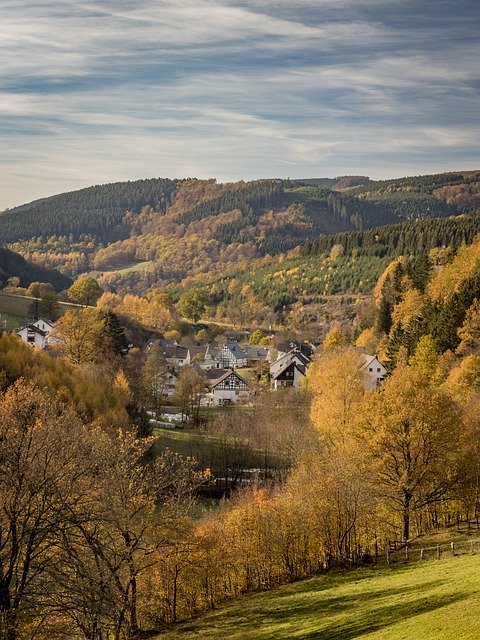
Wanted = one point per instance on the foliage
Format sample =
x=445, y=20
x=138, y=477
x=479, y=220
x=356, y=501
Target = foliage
x=12, y=264
x=85, y=290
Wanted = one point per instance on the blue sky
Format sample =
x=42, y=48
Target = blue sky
x=103, y=90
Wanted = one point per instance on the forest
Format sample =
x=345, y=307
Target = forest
x=289, y=243
x=102, y=531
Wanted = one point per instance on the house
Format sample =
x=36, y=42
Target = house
x=289, y=370
x=34, y=336
x=37, y=334
x=224, y=387
x=205, y=356
x=292, y=345
x=256, y=353
x=373, y=370
x=231, y=356
x=44, y=324
x=177, y=356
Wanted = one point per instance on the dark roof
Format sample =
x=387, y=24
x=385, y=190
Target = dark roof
x=175, y=352
x=294, y=357
x=255, y=352
x=290, y=345
x=237, y=351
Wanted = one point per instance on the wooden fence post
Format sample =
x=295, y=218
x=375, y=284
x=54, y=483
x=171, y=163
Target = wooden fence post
x=438, y=552
x=452, y=546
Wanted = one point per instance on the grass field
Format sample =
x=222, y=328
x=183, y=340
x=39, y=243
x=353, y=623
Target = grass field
x=17, y=308
x=435, y=600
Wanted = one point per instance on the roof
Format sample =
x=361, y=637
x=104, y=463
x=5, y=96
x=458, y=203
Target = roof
x=237, y=351
x=289, y=345
x=34, y=329
x=282, y=364
x=175, y=352
x=45, y=321
x=297, y=356
x=215, y=376
x=366, y=360
x=254, y=352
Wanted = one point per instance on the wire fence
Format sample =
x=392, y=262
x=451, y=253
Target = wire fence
x=418, y=553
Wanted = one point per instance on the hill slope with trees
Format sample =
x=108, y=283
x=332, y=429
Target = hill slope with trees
x=13, y=265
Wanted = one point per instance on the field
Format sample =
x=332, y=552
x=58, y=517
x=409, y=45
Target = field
x=434, y=600
x=16, y=309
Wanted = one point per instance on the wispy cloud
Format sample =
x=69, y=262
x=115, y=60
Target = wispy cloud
x=100, y=91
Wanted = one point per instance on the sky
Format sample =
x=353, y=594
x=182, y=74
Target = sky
x=107, y=90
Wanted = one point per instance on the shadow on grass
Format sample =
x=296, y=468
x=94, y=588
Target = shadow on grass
x=359, y=614
x=379, y=618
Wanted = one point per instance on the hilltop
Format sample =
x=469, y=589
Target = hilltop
x=275, y=236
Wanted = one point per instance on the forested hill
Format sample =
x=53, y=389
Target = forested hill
x=407, y=238
x=115, y=211
x=11, y=264
x=95, y=210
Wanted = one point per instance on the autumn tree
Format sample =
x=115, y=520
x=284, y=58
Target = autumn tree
x=193, y=303
x=85, y=290
x=77, y=336
x=410, y=432
x=334, y=338
x=337, y=386
x=40, y=481
x=469, y=332
x=189, y=391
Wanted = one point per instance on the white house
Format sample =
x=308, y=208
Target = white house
x=224, y=387
x=34, y=336
x=373, y=370
x=37, y=334
x=231, y=356
x=289, y=370
x=177, y=356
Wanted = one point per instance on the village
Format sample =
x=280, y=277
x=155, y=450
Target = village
x=231, y=372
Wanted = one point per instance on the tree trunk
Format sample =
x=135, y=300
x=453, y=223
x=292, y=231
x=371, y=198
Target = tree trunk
x=407, y=498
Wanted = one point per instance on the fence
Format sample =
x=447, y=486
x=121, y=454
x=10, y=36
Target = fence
x=409, y=553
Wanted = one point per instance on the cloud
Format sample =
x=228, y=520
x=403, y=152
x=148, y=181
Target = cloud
x=104, y=90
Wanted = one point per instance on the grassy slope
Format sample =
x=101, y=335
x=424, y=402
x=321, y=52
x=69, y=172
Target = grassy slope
x=18, y=306
x=430, y=601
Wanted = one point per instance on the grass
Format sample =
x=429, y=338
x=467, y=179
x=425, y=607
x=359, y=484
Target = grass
x=436, y=600
x=134, y=266
x=18, y=307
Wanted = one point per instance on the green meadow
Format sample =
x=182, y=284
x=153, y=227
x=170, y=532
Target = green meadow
x=433, y=600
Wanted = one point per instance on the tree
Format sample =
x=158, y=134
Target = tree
x=334, y=338
x=256, y=337
x=189, y=391
x=192, y=304
x=78, y=336
x=469, y=332
x=114, y=333
x=337, y=386
x=40, y=481
x=154, y=379
x=85, y=290
x=410, y=432
x=426, y=356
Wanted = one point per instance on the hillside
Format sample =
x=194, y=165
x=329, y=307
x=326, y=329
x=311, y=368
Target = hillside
x=136, y=236
x=438, y=600
x=12, y=264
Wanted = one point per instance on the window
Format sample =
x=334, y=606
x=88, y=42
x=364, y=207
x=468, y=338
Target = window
x=370, y=369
